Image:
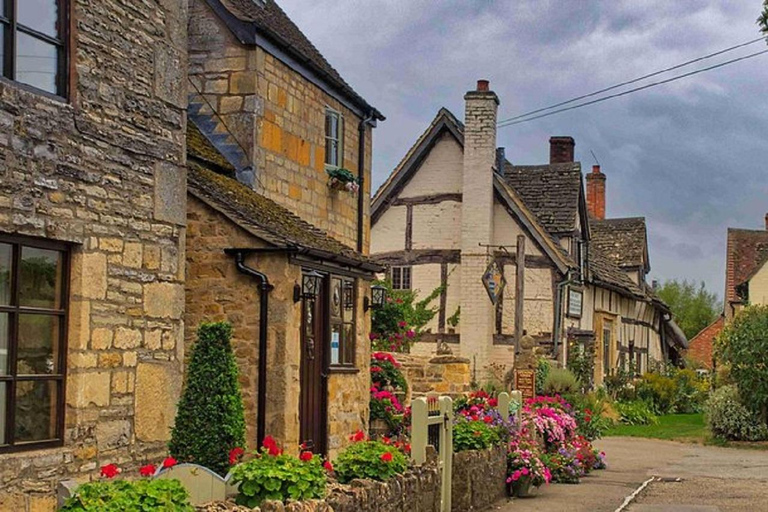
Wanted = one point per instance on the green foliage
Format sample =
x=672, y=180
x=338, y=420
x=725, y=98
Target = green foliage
x=729, y=419
x=210, y=420
x=278, y=477
x=389, y=373
x=693, y=307
x=454, y=319
x=657, y=390
x=162, y=495
x=743, y=346
x=560, y=381
x=398, y=324
x=367, y=459
x=679, y=427
x=590, y=411
x=543, y=367
x=617, y=383
x=636, y=413
x=763, y=19
x=474, y=435
x=581, y=361
x=343, y=175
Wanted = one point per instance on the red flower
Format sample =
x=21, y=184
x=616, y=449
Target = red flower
x=386, y=457
x=493, y=402
x=402, y=323
x=328, y=466
x=488, y=419
x=357, y=436
x=147, y=470
x=169, y=462
x=271, y=445
x=407, y=447
x=375, y=369
x=385, y=440
x=305, y=456
x=235, y=454
x=110, y=471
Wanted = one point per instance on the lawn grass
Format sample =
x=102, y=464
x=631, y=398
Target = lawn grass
x=673, y=427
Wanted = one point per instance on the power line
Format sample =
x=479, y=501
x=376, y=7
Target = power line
x=636, y=89
x=634, y=80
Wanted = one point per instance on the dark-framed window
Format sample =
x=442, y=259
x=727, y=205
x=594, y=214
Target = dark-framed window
x=334, y=139
x=34, y=290
x=343, y=317
x=34, y=43
x=401, y=278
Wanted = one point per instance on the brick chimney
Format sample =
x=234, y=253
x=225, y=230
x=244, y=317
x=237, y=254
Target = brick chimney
x=596, y=193
x=561, y=150
x=477, y=317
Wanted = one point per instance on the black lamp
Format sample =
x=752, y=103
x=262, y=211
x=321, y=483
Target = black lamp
x=349, y=295
x=378, y=297
x=310, y=286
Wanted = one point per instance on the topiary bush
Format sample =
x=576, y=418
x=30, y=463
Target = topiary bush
x=728, y=419
x=164, y=495
x=210, y=420
x=373, y=460
x=273, y=475
x=560, y=381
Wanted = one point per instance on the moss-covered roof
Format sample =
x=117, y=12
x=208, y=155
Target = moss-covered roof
x=209, y=178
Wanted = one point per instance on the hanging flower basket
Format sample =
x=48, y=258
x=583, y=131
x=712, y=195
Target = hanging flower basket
x=342, y=179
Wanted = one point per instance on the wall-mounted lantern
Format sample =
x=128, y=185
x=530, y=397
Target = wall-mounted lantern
x=310, y=286
x=378, y=297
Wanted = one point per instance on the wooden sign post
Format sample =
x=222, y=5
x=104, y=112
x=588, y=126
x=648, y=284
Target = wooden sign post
x=525, y=382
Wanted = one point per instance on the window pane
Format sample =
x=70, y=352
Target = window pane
x=40, y=15
x=335, y=344
x=41, y=282
x=4, y=345
x=336, y=298
x=38, y=349
x=349, y=301
x=349, y=344
x=36, y=62
x=36, y=407
x=331, y=152
x=6, y=255
x=3, y=409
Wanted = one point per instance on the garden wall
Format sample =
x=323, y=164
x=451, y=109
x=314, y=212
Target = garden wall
x=447, y=375
x=478, y=481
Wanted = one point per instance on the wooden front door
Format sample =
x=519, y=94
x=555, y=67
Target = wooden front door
x=313, y=413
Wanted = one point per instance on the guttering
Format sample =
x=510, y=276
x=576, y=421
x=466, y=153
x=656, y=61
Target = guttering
x=264, y=288
x=361, y=179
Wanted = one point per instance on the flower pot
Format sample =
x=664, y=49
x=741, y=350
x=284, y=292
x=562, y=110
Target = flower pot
x=379, y=428
x=521, y=488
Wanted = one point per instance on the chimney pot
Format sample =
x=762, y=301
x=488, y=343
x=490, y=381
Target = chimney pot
x=483, y=85
x=595, y=169
x=561, y=150
x=596, y=193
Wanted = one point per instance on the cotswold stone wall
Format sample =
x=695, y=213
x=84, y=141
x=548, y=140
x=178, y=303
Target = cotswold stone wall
x=445, y=375
x=278, y=116
x=104, y=170
x=479, y=481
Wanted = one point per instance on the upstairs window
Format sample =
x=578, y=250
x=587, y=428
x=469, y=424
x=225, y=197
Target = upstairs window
x=34, y=49
x=401, y=278
x=334, y=139
x=33, y=312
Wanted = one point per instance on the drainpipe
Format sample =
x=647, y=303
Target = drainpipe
x=558, y=309
x=264, y=288
x=361, y=179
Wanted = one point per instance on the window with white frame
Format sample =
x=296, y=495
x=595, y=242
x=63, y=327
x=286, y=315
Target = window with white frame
x=401, y=278
x=334, y=139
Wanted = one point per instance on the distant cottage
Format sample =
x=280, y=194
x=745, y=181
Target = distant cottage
x=455, y=204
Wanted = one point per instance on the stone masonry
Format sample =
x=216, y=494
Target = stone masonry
x=103, y=170
x=278, y=117
x=477, y=312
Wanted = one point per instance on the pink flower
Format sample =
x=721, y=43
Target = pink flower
x=110, y=471
x=402, y=323
x=410, y=333
x=376, y=369
x=524, y=471
x=516, y=476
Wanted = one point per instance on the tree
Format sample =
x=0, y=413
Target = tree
x=210, y=421
x=693, y=308
x=743, y=346
x=763, y=19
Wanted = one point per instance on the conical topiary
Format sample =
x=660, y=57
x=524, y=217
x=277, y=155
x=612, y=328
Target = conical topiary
x=210, y=421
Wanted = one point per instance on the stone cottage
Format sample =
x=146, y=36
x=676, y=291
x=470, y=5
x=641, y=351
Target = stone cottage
x=273, y=248
x=92, y=229
x=456, y=210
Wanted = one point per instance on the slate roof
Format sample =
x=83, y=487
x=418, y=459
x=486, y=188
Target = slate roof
x=550, y=191
x=746, y=250
x=208, y=179
x=271, y=21
x=623, y=240
x=604, y=271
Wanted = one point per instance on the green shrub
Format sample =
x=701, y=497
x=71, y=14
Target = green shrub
x=474, y=435
x=581, y=361
x=278, y=477
x=658, y=390
x=636, y=413
x=617, y=384
x=691, y=391
x=373, y=460
x=729, y=419
x=591, y=413
x=560, y=381
x=543, y=367
x=210, y=420
x=163, y=495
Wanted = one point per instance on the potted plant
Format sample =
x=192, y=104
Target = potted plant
x=342, y=179
x=525, y=469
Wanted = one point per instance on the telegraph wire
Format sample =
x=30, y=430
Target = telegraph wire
x=636, y=89
x=629, y=82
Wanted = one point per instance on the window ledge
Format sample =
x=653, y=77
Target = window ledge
x=343, y=369
x=29, y=89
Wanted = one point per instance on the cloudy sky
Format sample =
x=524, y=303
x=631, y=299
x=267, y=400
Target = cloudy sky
x=689, y=156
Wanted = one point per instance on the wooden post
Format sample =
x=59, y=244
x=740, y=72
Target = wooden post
x=419, y=431
x=519, y=290
x=503, y=406
x=446, y=451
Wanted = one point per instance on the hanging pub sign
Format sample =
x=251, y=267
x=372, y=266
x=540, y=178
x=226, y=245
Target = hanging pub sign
x=494, y=282
x=575, y=299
